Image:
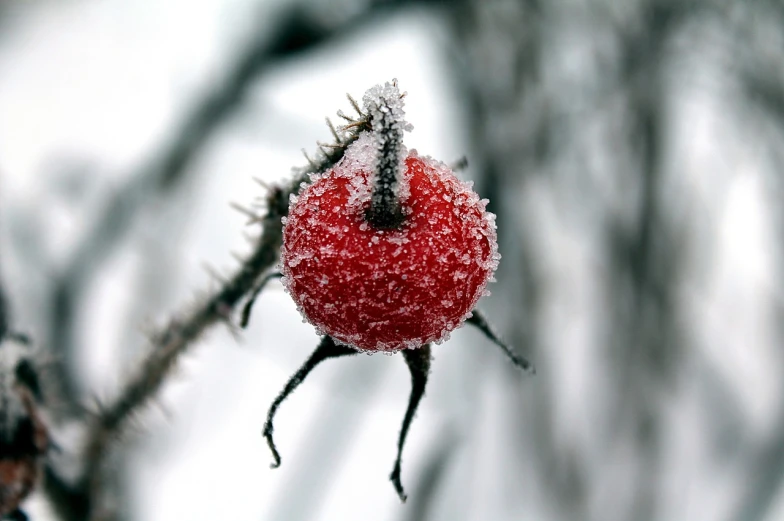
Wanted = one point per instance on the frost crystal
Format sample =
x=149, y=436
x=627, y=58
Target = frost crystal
x=384, y=106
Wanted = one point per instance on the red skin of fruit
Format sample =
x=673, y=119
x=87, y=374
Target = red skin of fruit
x=385, y=290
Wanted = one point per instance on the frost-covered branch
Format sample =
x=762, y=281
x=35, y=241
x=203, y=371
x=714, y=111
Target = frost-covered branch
x=178, y=335
x=173, y=340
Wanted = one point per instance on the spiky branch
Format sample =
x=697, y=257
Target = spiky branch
x=180, y=333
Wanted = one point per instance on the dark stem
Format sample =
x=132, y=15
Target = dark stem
x=326, y=349
x=478, y=320
x=418, y=362
x=385, y=211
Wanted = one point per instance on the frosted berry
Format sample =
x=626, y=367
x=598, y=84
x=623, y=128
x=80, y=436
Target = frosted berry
x=387, y=289
x=386, y=250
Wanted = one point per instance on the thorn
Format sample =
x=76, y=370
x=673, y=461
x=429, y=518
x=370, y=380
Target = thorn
x=252, y=216
x=353, y=124
x=250, y=238
x=312, y=164
x=224, y=311
x=342, y=115
x=334, y=132
x=265, y=185
x=328, y=145
x=394, y=84
x=166, y=411
x=214, y=273
x=355, y=105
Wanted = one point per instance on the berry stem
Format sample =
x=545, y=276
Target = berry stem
x=326, y=349
x=418, y=362
x=385, y=210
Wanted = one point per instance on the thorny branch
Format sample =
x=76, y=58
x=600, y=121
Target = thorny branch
x=178, y=335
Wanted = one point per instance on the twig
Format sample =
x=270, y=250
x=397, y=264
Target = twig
x=175, y=339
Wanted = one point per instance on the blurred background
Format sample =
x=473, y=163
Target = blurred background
x=632, y=151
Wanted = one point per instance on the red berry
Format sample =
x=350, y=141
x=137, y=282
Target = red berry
x=387, y=289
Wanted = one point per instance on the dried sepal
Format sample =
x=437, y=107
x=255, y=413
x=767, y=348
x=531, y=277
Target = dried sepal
x=326, y=349
x=478, y=320
x=418, y=362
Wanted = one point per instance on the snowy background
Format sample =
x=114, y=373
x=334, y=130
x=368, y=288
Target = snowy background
x=630, y=149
